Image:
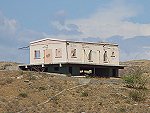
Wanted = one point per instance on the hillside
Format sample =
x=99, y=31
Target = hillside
x=32, y=92
x=130, y=65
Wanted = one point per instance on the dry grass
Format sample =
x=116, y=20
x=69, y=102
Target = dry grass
x=28, y=90
x=99, y=95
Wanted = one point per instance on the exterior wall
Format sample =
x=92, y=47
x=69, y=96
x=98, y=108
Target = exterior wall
x=82, y=52
x=45, y=45
x=79, y=52
x=32, y=54
x=97, y=57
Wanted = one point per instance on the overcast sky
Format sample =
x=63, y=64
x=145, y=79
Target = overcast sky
x=22, y=21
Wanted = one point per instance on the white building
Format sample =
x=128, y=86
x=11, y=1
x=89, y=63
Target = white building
x=75, y=58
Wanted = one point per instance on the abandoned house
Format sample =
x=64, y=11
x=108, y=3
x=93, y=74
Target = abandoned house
x=74, y=58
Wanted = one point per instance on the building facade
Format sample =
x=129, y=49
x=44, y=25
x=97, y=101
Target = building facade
x=75, y=58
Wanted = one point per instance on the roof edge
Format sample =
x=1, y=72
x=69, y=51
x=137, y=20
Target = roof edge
x=61, y=40
x=40, y=40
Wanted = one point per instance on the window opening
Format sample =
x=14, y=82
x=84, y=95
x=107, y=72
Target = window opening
x=37, y=54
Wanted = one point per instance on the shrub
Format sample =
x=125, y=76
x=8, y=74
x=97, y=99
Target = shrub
x=4, y=81
x=21, y=72
x=137, y=95
x=31, y=76
x=129, y=80
x=135, y=79
x=24, y=95
x=122, y=110
x=9, y=80
x=6, y=65
x=84, y=94
x=42, y=88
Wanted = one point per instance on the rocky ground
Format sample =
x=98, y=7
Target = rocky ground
x=32, y=92
x=8, y=66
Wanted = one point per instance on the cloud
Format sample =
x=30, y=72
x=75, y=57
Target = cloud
x=65, y=29
x=13, y=36
x=8, y=31
x=7, y=25
x=112, y=19
x=132, y=48
x=59, y=27
x=60, y=16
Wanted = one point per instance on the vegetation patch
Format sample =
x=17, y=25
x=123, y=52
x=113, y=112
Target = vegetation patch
x=137, y=95
x=21, y=72
x=84, y=94
x=7, y=80
x=31, y=76
x=23, y=95
x=49, y=93
x=41, y=88
x=136, y=79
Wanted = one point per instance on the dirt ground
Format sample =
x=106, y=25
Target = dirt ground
x=33, y=92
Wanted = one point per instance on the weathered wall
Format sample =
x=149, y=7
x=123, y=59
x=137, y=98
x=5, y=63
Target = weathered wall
x=97, y=57
x=48, y=44
x=82, y=52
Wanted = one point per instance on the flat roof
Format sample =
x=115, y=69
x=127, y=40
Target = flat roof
x=61, y=40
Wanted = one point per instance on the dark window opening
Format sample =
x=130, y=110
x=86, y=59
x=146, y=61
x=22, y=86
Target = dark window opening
x=90, y=56
x=113, y=54
x=105, y=56
x=58, y=53
x=73, y=53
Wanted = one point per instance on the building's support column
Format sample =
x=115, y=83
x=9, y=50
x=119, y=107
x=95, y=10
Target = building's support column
x=94, y=71
x=110, y=72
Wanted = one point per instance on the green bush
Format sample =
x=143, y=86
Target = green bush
x=129, y=80
x=135, y=79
